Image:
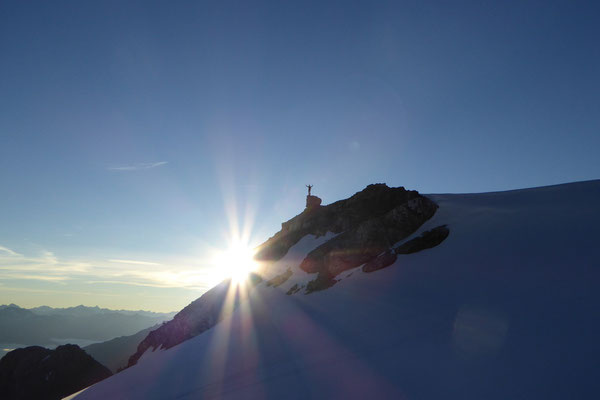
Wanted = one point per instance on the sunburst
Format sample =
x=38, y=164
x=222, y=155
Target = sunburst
x=237, y=262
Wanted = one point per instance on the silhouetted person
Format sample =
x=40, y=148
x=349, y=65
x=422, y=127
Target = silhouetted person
x=309, y=187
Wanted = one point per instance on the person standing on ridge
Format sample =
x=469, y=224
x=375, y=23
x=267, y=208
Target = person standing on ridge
x=309, y=187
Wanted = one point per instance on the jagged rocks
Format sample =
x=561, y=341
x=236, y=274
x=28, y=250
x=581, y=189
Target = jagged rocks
x=427, y=240
x=38, y=373
x=372, y=202
x=368, y=238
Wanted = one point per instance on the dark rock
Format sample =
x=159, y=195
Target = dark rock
x=321, y=282
x=366, y=239
x=279, y=279
x=293, y=289
x=383, y=260
x=374, y=201
x=312, y=202
x=427, y=240
x=38, y=373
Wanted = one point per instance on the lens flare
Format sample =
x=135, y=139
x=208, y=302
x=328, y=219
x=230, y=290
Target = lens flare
x=236, y=262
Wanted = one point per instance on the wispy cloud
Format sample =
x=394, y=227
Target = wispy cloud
x=36, y=277
x=8, y=251
x=45, y=267
x=52, y=269
x=138, y=166
x=136, y=262
x=62, y=291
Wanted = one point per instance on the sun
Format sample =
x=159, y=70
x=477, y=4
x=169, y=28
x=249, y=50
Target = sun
x=236, y=262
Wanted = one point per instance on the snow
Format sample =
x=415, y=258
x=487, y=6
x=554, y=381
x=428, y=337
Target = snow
x=296, y=254
x=292, y=260
x=506, y=307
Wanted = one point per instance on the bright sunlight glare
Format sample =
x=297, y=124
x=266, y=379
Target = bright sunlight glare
x=235, y=263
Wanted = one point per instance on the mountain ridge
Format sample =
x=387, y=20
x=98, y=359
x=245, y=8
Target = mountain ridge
x=504, y=307
x=45, y=310
x=355, y=221
x=43, y=326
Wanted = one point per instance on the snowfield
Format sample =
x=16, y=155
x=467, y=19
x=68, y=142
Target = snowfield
x=507, y=307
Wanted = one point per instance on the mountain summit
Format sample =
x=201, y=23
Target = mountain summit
x=358, y=229
x=391, y=294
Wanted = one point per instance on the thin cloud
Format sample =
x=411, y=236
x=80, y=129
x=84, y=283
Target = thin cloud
x=37, y=277
x=150, y=284
x=132, y=262
x=52, y=269
x=62, y=291
x=138, y=166
x=9, y=251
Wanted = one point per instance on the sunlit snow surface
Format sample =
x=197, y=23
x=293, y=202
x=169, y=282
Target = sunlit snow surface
x=506, y=307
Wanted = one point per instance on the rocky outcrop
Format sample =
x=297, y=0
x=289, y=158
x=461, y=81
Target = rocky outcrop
x=427, y=240
x=38, y=373
x=368, y=224
x=312, y=202
x=388, y=216
x=375, y=201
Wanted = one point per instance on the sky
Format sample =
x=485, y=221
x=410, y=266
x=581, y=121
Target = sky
x=138, y=138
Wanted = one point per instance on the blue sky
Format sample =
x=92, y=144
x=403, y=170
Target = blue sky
x=144, y=132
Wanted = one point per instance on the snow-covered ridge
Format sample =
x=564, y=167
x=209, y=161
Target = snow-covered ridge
x=505, y=307
x=364, y=225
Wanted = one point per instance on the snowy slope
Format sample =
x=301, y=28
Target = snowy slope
x=506, y=307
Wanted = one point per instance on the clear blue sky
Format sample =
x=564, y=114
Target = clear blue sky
x=132, y=130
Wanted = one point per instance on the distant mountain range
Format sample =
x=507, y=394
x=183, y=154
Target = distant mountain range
x=35, y=372
x=48, y=327
x=84, y=311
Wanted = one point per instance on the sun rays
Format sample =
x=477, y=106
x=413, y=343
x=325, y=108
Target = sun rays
x=236, y=262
